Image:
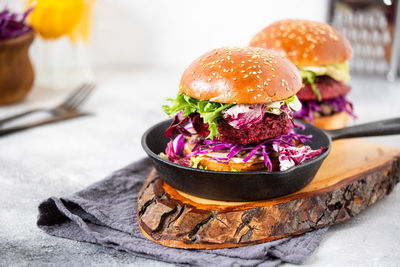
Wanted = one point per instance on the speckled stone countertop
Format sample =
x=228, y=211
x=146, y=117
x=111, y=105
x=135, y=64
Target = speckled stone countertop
x=60, y=159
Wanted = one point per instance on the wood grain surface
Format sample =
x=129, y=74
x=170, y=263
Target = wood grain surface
x=354, y=176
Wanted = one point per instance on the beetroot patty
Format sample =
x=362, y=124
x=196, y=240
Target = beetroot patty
x=328, y=87
x=270, y=126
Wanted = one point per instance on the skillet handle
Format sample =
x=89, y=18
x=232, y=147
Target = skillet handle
x=377, y=128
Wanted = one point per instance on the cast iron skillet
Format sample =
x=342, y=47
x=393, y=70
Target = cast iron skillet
x=257, y=185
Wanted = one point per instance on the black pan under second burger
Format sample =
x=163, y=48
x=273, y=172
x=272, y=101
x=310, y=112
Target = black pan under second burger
x=256, y=185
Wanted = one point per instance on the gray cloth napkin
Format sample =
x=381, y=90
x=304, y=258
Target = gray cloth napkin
x=105, y=214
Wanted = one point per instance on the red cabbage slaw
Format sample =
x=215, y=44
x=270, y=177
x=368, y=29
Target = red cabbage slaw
x=289, y=154
x=13, y=25
x=339, y=104
x=172, y=154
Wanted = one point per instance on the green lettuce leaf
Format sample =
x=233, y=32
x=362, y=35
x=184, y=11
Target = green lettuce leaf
x=293, y=103
x=337, y=71
x=309, y=78
x=209, y=111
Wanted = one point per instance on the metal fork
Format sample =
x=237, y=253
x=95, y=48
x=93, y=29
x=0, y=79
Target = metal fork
x=62, y=117
x=70, y=105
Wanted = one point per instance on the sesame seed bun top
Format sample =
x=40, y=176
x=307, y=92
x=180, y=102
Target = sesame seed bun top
x=240, y=75
x=304, y=42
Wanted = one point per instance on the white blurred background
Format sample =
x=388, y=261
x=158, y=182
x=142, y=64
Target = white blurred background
x=159, y=33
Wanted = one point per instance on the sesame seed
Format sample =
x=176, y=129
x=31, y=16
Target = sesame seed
x=245, y=76
x=234, y=79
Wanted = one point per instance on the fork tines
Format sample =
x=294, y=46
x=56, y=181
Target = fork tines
x=77, y=97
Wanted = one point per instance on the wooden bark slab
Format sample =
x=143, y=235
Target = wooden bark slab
x=354, y=176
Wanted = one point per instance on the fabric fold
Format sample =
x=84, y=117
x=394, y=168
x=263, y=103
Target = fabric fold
x=105, y=214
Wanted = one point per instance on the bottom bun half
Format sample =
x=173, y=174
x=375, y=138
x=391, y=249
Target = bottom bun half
x=335, y=121
x=331, y=122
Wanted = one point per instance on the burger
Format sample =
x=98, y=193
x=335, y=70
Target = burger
x=320, y=52
x=234, y=112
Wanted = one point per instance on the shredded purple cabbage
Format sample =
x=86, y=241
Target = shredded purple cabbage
x=339, y=104
x=13, y=25
x=174, y=156
x=178, y=144
x=289, y=154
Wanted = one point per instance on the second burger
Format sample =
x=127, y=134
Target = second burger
x=320, y=52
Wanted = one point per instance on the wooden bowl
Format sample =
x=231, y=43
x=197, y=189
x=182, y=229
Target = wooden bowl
x=16, y=71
